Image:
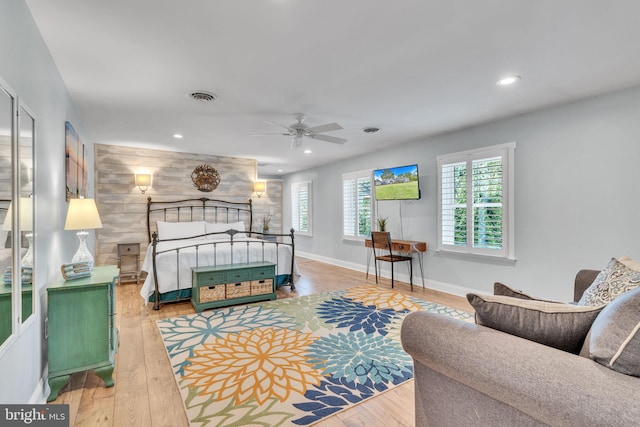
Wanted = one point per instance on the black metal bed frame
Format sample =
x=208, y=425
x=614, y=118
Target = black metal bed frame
x=220, y=211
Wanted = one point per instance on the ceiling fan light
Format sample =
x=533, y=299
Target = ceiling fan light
x=508, y=80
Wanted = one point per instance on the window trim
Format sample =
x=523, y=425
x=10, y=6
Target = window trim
x=355, y=176
x=296, y=187
x=507, y=153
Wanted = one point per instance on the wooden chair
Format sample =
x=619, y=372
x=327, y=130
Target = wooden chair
x=381, y=243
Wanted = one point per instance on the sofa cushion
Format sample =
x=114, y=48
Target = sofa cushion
x=563, y=326
x=612, y=282
x=615, y=334
x=631, y=263
x=502, y=289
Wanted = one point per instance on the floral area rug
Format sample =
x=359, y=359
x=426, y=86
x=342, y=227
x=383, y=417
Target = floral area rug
x=292, y=361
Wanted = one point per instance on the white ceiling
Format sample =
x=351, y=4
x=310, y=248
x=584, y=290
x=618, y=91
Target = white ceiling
x=413, y=68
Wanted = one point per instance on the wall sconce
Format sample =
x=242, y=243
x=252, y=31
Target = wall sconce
x=259, y=187
x=143, y=181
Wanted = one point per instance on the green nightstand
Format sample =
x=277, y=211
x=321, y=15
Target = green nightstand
x=81, y=330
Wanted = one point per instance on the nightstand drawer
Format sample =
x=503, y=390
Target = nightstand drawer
x=129, y=249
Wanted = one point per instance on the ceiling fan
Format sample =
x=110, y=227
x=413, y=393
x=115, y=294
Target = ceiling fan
x=299, y=130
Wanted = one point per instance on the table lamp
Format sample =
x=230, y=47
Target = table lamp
x=82, y=215
x=26, y=224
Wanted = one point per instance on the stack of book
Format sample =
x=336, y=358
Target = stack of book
x=25, y=277
x=76, y=270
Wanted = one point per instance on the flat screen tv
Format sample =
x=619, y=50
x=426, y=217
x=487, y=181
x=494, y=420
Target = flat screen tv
x=397, y=183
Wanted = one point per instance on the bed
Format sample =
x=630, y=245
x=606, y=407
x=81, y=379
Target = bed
x=202, y=233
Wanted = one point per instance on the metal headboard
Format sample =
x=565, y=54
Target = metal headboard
x=202, y=209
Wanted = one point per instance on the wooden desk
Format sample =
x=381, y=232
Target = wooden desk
x=403, y=246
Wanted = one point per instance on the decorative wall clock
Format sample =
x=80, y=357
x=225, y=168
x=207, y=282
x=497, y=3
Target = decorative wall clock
x=205, y=178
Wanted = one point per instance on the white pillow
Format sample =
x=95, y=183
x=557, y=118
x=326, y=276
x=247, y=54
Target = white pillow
x=220, y=227
x=180, y=230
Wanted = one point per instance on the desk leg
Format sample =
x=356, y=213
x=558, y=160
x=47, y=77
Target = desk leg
x=368, y=262
x=421, y=261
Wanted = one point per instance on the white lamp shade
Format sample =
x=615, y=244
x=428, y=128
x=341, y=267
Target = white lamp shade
x=143, y=180
x=82, y=215
x=26, y=215
x=259, y=187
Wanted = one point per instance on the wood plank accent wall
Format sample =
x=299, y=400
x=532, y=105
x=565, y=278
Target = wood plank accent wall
x=122, y=207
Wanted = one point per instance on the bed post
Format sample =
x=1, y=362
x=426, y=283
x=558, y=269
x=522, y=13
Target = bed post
x=149, y=219
x=250, y=218
x=293, y=257
x=156, y=304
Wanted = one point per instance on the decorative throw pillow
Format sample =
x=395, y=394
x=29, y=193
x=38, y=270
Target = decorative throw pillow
x=563, y=326
x=615, y=334
x=610, y=283
x=504, y=290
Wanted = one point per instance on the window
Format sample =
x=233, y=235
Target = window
x=475, y=201
x=357, y=209
x=301, y=207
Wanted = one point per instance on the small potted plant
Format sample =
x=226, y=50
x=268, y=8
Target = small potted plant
x=382, y=224
x=266, y=219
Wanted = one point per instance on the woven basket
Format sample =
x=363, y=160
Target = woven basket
x=211, y=293
x=260, y=287
x=240, y=289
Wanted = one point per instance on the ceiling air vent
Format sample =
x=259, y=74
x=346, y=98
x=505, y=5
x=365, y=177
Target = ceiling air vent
x=202, y=96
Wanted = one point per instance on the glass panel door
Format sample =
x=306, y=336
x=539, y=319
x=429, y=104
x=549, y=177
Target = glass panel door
x=7, y=106
x=26, y=139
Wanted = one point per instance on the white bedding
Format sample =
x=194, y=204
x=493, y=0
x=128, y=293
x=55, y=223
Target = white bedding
x=166, y=262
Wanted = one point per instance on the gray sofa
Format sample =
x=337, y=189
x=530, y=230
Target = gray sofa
x=471, y=375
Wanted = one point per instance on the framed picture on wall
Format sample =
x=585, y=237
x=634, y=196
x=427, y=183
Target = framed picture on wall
x=82, y=171
x=74, y=161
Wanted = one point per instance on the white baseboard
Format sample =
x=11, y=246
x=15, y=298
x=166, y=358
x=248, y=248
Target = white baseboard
x=386, y=273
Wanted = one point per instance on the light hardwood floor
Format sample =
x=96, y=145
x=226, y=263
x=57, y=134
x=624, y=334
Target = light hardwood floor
x=145, y=393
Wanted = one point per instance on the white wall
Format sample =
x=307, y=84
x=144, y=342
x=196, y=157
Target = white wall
x=577, y=197
x=27, y=67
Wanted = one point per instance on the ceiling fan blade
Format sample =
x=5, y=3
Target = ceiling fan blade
x=328, y=138
x=269, y=134
x=291, y=130
x=324, y=128
x=296, y=141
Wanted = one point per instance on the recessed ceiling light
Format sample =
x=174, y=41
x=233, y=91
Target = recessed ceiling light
x=307, y=151
x=280, y=170
x=508, y=80
x=177, y=136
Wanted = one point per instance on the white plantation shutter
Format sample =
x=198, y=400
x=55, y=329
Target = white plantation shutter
x=357, y=204
x=448, y=191
x=301, y=207
x=475, y=201
x=487, y=203
x=349, y=206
